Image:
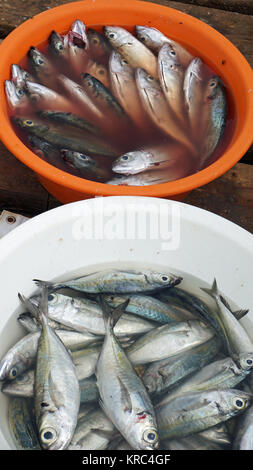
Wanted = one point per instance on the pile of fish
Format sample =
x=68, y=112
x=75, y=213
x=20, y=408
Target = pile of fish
x=129, y=360
x=118, y=107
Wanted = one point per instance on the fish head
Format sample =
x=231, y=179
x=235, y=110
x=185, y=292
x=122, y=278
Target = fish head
x=163, y=279
x=169, y=58
x=130, y=162
x=20, y=76
x=57, y=44
x=55, y=430
x=144, y=431
x=117, y=36
x=37, y=92
x=28, y=124
x=16, y=95
x=147, y=35
x=232, y=401
x=90, y=83
x=146, y=81
x=212, y=88
x=39, y=60
x=78, y=34
x=77, y=159
x=97, y=42
x=98, y=71
x=245, y=361
x=118, y=64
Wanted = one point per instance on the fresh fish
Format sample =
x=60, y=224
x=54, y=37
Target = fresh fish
x=88, y=144
x=45, y=98
x=169, y=156
x=154, y=40
x=21, y=356
x=17, y=98
x=244, y=431
x=58, y=46
x=45, y=150
x=194, y=442
x=169, y=340
x=193, y=89
x=218, y=375
x=69, y=119
x=156, y=106
x=194, y=412
x=93, y=432
x=123, y=395
x=99, y=71
x=99, y=47
x=42, y=67
x=21, y=423
x=102, y=97
x=118, y=282
x=57, y=392
x=77, y=41
x=235, y=336
x=124, y=88
x=136, y=53
x=85, y=315
x=31, y=324
x=213, y=117
x=148, y=307
x=86, y=165
x=78, y=95
x=218, y=434
x=146, y=178
x=164, y=375
x=20, y=76
x=171, y=75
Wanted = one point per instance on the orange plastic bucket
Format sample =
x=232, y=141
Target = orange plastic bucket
x=201, y=39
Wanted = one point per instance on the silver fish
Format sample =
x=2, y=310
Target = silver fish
x=117, y=281
x=57, y=392
x=57, y=45
x=132, y=49
x=17, y=98
x=171, y=75
x=122, y=76
x=22, y=424
x=235, y=336
x=169, y=156
x=213, y=117
x=146, y=178
x=168, y=340
x=156, y=106
x=244, y=431
x=164, y=375
x=154, y=40
x=194, y=412
x=85, y=164
x=85, y=316
x=93, y=431
x=99, y=71
x=123, y=395
x=99, y=47
x=20, y=76
x=77, y=42
x=193, y=89
x=46, y=98
x=42, y=67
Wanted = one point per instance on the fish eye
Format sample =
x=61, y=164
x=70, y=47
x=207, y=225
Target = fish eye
x=13, y=373
x=172, y=52
x=212, y=84
x=52, y=298
x=28, y=122
x=150, y=436
x=150, y=78
x=125, y=157
x=60, y=47
x=101, y=72
x=142, y=38
x=249, y=362
x=48, y=435
x=112, y=35
x=83, y=157
x=89, y=83
x=95, y=41
x=239, y=403
x=164, y=278
x=124, y=61
x=20, y=92
x=40, y=61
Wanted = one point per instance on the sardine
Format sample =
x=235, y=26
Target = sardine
x=123, y=395
x=57, y=392
x=99, y=47
x=85, y=315
x=69, y=119
x=194, y=412
x=193, y=89
x=42, y=67
x=88, y=144
x=45, y=98
x=22, y=424
x=147, y=307
x=93, y=432
x=17, y=98
x=124, y=88
x=117, y=282
x=156, y=106
x=172, y=157
x=214, y=112
x=169, y=340
x=164, y=375
x=77, y=41
x=171, y=75
x=154, y=40
x=136, y=53
x=235, y=336
x=85, y=165
x=58, y=46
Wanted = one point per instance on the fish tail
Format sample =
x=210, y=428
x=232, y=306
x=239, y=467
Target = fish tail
x=213, y=292
x=112, y=315
x=31, y=307
x=49, y=285
x=238, y=314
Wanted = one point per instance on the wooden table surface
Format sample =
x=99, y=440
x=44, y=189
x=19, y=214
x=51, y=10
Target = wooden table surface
x=230, y=196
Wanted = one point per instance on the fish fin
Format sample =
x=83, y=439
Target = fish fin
x=33, y=309
x=213, y=292
x=50, y=285
x=112, y=315
x=238, y=314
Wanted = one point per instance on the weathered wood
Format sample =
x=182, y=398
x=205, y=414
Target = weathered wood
x=240, y=6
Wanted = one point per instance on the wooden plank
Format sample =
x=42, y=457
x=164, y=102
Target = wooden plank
x=239, y=6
